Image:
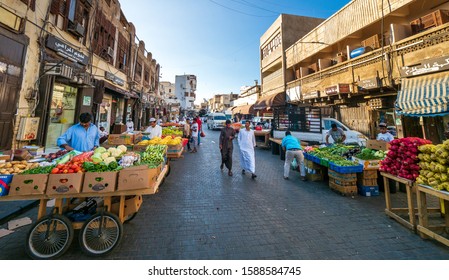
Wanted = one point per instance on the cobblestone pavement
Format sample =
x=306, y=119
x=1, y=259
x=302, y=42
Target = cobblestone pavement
x=202, y=213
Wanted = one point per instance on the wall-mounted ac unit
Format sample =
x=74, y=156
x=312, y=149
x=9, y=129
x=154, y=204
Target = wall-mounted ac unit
x=110, y=52
x=76, y=29
x=59, y=70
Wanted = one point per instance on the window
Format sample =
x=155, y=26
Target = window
x=73, y=15
x=146, y=76
x=104, y=32
x=31, y=4
x=138, y=71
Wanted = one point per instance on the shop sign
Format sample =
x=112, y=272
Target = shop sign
x=426, y=66
x=87, y=100
x=66, y=50
x=339, y=101
x=113, y=78
x=367, y=84
x=337, y=89
x=293, y=93
x=311, y=95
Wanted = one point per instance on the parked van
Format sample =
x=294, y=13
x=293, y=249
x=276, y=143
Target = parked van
x=352, y=136
x=216, y=120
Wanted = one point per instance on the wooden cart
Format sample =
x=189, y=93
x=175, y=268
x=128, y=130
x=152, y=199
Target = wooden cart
x=51, y=235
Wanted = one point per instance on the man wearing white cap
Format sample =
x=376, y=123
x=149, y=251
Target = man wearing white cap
x=384, y=135
x=154, y=130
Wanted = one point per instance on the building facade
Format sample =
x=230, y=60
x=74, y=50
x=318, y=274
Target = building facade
x=368, y=52
x=61, y=58
x=185, y=88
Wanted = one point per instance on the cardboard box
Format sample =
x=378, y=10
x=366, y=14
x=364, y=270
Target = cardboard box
x=5, y=182
x=99, y=182
x=372, y=42
x=120, y=139
x=138, y=177
x=139, y=148
x=311, y=165
x=314, y=177
x=368, y=164
x=132, y=205
x=174, y=149
x=22, y=154
x=377, y=145
x=69, y=183
x=28, y=184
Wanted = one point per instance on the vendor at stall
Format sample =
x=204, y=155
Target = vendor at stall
x=83, y=136
x=337, y=134
x=154, y=130
x=384, y=135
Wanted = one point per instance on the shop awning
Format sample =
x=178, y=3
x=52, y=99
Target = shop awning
x=244, y=110
x=424, y=96
x=270, y=101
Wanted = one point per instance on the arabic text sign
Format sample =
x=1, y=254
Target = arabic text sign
x=66, y=50
x=337, y=89
x=426, y=66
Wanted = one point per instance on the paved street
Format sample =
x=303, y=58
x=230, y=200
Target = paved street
x=202, y=213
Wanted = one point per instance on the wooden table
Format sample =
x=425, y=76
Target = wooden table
x=262, y=138
x=424, y=229
x=393, y=212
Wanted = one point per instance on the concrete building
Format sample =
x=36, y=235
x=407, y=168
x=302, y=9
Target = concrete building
x=64, y=60
x=167, y=90
x=185, y=87
x=285, y=31
x=243, y=105
x=367, y=53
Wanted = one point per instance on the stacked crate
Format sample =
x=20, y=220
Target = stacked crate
x=344, y=183
x=314, y=171
x=367, y=182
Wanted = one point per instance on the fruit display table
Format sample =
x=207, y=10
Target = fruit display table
x=436, y=232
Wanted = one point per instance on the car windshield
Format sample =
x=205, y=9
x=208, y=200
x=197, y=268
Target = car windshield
x=219, y=118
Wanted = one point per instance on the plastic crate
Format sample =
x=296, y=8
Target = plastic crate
x=315, y=159
x=324, y=162
x=346, y=169
x=368, y=190
x=5, y=181
x=307, y=156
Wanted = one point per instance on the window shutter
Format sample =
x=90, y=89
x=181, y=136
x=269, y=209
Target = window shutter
x=55, y=6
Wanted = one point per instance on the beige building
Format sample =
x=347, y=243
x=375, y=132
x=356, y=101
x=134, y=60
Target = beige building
x=286, y=30
x=365, y=54
x=59, y=60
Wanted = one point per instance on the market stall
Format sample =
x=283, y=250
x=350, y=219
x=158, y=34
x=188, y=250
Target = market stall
x=96, y=192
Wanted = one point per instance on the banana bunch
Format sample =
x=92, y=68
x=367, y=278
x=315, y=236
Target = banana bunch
x=162, y=141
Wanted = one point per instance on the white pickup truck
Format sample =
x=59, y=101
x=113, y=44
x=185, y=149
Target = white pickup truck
x=352, y=136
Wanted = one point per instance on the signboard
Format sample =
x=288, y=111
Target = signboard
x=294, y=93
x=66, y=50
x=113, y=78
x=367, y=84
x=426, y=66
x=337, y=89
x=311, y=95
x=87, y=100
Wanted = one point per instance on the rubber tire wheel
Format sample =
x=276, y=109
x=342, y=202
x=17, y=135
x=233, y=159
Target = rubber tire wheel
x=130, y=218
x=65, y=235
x=168, y=170
x=96, y=245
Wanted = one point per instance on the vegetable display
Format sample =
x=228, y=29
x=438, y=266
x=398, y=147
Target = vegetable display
x=334, y=154
x=162, y=141
x=402, y=158
x=153, y=155
x=369, y=154
x=16, y=167
x=434, y=164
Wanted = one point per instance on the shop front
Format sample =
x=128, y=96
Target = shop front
x=65, y=91
x=264, y=106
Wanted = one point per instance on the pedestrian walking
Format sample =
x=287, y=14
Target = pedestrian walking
x=186, y=133
x=227, y=134
x=247, y=142
x=200, y=129
x=194, y=133
x=293, y=150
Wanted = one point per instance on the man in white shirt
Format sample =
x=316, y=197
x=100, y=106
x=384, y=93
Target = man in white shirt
x=154, y=130
x=247, y=142
x=384, y=135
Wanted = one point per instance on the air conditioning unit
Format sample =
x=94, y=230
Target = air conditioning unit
x=76, y=28
x=110, y=52
x=59, y=70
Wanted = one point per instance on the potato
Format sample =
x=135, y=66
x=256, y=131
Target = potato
x=15, y=162
x=20, y=166
x=24, y=162
x=2, y=165
x=17, y=170
x=34, y=165
x=7, y=173
x=3, y=170
x=8, y=165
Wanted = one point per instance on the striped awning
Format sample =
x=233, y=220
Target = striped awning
x=424, y=96
x=244, y=110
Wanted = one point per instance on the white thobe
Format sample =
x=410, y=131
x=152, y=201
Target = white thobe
x=247, y=142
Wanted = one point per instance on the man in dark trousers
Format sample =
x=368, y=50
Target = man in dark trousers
x=226, y=136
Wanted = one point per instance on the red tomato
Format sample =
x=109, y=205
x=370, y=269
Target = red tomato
x=65, y=171
x=55, y=170
x=71, y=171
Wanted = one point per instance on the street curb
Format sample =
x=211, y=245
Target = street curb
x=17, y=210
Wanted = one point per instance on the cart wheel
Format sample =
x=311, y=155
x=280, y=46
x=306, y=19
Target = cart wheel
x=50, y=237
x=100, y=234
x=168, y=170
x=130, y=217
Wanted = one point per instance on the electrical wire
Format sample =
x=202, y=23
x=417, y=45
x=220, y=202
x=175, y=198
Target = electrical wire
x=237, y=11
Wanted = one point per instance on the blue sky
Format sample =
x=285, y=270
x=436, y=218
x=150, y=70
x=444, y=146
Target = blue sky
x=216, y=40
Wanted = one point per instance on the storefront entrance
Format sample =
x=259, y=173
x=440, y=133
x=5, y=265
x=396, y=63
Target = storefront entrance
x=105, y=113
x=62, y=113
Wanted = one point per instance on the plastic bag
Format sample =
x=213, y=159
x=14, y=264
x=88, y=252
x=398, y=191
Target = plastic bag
x=202, y=134
x=294, y=164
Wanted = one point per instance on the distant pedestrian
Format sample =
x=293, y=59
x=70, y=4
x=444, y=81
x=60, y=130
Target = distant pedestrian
x=194, y=133
x=247, y=142
x=200, y=129
x=293, y=150
x=227, y=134
x=187, y=134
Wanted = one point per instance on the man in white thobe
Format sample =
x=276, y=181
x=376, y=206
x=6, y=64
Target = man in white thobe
x=247, y=142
